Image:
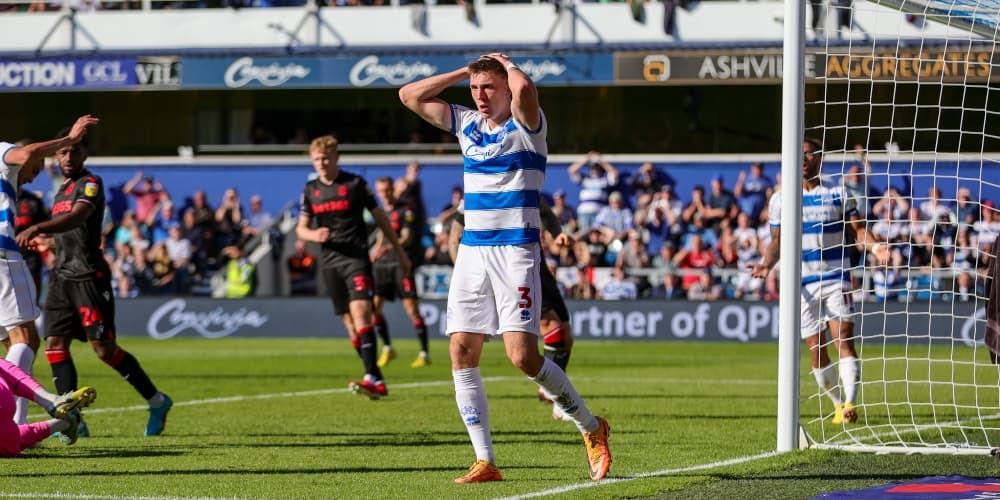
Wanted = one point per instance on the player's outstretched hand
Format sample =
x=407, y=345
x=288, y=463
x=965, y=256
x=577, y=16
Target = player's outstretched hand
x=24, y=238
x=564, y=240
x=881, y=252
x=80, y=127
x=759, y=271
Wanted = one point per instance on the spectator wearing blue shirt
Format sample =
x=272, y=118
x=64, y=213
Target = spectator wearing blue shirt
x=752, y=191
x=648, y=181
x=720, y=204
x=594, y=188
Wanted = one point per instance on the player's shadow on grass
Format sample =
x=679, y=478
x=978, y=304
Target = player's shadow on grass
x=90, y=452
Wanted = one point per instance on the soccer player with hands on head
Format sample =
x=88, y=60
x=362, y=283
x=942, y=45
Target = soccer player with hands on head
x=495, y=289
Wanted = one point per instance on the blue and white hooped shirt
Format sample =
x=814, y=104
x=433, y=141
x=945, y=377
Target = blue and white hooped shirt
x=504, y=172
x=825, y=210
x=8, y=197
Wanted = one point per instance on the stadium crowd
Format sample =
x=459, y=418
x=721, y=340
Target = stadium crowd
x=636, y=237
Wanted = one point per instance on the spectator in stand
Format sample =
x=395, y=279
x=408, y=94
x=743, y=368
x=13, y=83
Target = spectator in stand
x=633, y=258
x=913, y=237
x=669, y=289
x=437, y=254
x=964, y=265
x=147, y=193
x=695, y=257
x=966, y=211
x=564, y=212
x=204, y=214
x=164, y=216
x=897, y=204
x=664, y=258
x=258, y=220
x=752, y=191
x=239, y=273
x=886, y=227
x=180, y=252
x=887, y=281
x=410, y=191
x=229, y=219
x=933, y=208
x=163, y=276
x=647, y=182
x=663, y=220
x=615, y=220
x=302, y=270
x=619, y=287
x=191, y=232
x=634, y=254
x=720, y=205
x=584, y=287
x=748, y=254
x=697, y=206
x=450, y=210
x=597, y=254
x=857, y=185
x=594, y=188
x=125, y=272
x=987, y=227
x=123, y=233
x=705, y=288
x=708, y=235
x=727, y=247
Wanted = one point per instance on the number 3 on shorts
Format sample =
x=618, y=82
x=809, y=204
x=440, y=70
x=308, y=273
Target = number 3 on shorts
x=525, y=302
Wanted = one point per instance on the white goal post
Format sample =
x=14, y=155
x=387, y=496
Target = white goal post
x=904, y=95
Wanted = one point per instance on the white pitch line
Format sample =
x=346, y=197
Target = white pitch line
x=644, y=475
x=81, y=496
x=414, y=385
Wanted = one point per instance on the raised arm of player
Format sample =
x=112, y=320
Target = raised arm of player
x=524, y=96
x=421, y=97
x=39, y=150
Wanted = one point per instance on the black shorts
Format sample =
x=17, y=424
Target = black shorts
x=347, y=279
x=83, y=310
x=552, y=300
x=390, y=282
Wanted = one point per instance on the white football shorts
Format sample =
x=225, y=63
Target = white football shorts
x=495, y=289
x=18, y=303
x=824, y=301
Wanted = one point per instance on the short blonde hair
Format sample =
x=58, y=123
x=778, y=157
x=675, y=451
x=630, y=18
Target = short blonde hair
x=324, y=143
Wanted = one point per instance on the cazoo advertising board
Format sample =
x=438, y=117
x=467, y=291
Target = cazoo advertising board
x=732, y=321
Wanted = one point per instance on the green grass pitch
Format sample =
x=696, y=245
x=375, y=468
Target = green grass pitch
x=272, y=419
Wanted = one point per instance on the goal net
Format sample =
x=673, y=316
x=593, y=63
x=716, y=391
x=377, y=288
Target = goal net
x=905, y=97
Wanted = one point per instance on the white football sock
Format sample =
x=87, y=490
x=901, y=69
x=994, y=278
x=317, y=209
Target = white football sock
x=470, y=394
x=22, y=356
x=826, y=378
x=554, y=382
x=850, y=368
